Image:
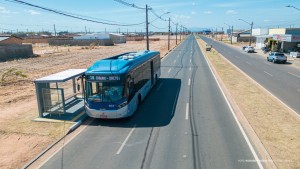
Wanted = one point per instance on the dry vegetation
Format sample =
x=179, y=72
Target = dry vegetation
x=276, y=126
x=20, y=138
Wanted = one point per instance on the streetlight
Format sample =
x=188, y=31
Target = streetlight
x=290, y=6
x=250, y=30
x=230, y=31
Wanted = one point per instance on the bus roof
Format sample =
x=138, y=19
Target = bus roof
x=120, y=64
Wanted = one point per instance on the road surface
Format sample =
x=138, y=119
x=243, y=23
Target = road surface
x=184, y=122
x=282, y=80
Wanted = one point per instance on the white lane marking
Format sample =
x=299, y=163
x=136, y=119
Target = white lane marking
x=159, y=86
x=190, y=68
x=268, y=73
x=169, y=70
x=237, y=57
x=190, y=60
x=189, y=82
x=235, y=117
x=124, y=142
x=298, y=90
x=293, y=74
x=267, y=63
x=187, y=111
x=174, y=60
x=249, y=63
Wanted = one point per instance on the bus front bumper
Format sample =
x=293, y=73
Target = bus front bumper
x=107, y=114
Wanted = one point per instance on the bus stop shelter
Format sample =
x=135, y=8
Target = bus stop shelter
x=57, y=96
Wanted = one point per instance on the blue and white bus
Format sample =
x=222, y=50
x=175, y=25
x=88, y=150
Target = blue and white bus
x=114, y=87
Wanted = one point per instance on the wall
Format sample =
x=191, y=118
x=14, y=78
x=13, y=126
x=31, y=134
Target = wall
x=35, y=40
x=11, y=52
x=135, y=38
x=277, y=31
x=259, y=31
x=96, y=42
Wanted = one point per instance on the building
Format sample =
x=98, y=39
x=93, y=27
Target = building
x=242, y=36
x=10, y=40
x=117, y=38
x=281, y=39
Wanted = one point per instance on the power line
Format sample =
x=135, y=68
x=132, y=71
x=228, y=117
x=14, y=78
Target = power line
x=76, y=16
x=158, y=27
x=158, y=17
x=129, y=4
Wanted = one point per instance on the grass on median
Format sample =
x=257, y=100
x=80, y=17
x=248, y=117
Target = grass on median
x=276, y=126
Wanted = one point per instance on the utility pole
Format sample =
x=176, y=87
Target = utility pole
x=231, y=34
x=54, y=30
x=169, y=35
x=176, y=33
x=222, y=35
x=85, y=30
x=147, y=24
x=180, y=32
x=250, y=34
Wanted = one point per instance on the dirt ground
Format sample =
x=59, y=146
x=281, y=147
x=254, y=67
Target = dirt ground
x=277, y=127
x=20, y=138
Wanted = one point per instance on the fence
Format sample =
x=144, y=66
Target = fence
x=81, y=42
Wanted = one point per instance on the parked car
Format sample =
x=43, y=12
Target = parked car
x=249, y=49
x=277, y=57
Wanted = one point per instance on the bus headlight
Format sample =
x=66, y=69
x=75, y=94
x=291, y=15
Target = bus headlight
x=122, y=104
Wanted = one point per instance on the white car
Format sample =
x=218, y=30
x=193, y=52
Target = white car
x=249, y=49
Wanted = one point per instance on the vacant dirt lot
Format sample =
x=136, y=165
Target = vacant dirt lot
x=20, y=138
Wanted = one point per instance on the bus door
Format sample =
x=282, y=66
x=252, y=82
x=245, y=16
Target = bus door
x=81, y=86
x=152, y=73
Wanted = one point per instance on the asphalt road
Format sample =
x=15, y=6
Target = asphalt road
x=184, y=122
x=282, y=80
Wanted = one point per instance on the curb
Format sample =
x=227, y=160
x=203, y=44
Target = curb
x=71, y=129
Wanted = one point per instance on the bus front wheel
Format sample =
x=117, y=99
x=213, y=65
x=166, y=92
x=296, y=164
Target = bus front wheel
x=139, y=99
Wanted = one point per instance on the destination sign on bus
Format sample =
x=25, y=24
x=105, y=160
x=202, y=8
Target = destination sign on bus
x=103, y=78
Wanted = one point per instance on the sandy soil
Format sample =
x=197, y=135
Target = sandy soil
x=20, y=138
x=276, y=126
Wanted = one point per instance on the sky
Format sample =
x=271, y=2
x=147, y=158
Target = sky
x=193, y=14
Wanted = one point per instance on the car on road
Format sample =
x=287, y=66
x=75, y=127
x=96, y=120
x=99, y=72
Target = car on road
x=249, y=49
x=277, y=57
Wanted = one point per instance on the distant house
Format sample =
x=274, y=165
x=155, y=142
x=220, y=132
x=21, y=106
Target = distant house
x=10, y=40
x=117, y=38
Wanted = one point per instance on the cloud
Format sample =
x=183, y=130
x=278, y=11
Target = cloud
x=4, y=10
x=225, y=5
x=33, y=12
x=266, y=20
x=207, y=12
x=231, y=12
x=193, y=13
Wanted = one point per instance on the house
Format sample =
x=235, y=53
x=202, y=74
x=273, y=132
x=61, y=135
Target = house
x=10, y=40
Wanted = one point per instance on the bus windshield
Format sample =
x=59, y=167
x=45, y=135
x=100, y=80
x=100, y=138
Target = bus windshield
x=105, y=91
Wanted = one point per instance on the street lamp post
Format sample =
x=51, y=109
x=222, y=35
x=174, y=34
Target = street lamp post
x=251, y=24
x=230, y=33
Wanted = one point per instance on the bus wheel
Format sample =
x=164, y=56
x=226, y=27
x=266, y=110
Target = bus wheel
x=139, y=99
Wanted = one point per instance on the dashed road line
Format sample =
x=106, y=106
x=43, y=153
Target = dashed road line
x=125, y=141
x=187, y=111
x=169, y=70
x=268, y=73
x=189, y=83
x=294, y=74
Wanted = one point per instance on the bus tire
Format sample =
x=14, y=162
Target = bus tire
x=139, y=99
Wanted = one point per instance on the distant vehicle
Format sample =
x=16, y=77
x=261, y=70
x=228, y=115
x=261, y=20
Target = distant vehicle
x=249, y=49
x=277, y=57
x=208, y=47
x=114, y=87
